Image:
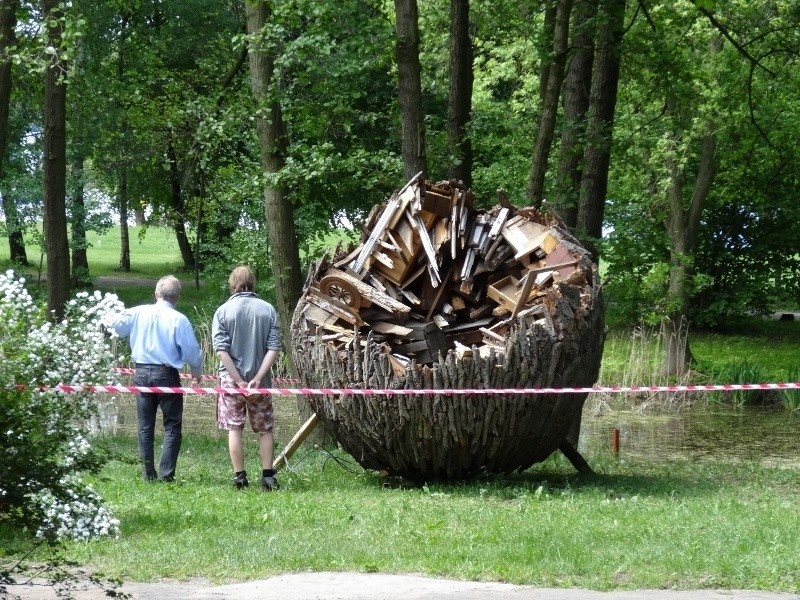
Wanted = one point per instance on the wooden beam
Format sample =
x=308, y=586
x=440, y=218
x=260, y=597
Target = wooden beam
x=575, y=458
x=295, y=442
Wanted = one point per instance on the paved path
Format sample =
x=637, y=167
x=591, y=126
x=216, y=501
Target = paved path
x=377, y=586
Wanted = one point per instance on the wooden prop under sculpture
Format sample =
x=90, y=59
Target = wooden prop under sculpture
x=440, y=295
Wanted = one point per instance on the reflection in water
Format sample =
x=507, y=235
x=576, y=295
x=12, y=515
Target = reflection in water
x=769, y=437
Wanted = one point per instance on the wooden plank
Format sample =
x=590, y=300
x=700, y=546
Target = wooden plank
x=526, y=291
x=377, y=233
x=391, y=329
x=295, y=442
x=427, y=245
x=436, y=202
x=332, y=305
x=440, y=291
x=498, y=223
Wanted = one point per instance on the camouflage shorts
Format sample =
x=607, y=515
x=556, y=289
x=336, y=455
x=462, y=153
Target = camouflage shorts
x=232, y=408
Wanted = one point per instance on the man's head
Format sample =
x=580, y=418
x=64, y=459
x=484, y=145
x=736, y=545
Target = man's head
x=242, y=279
x=168, y=288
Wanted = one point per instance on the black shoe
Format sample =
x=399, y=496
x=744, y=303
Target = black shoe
x=240, y=481
x=269, y=484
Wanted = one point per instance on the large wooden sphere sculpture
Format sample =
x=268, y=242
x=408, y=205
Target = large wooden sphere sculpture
x=440, y=295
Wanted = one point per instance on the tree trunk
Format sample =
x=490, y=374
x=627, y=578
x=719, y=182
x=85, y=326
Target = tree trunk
x=8, y=23
x=14, y=228
x=682, y=225
x=122, y=204
x=278, y=209
x=602, y=105
x=80, y=262
x=576, y=104
x=549, y=111
x=122, y=169
x=55, y=167
x=459, y=98
x=177, y=210
x=410, y=88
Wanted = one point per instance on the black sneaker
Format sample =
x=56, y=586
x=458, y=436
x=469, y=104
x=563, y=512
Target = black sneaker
x=269, y=484
x=240, y=481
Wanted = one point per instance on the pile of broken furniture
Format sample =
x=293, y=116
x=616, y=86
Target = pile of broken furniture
x=433, y=274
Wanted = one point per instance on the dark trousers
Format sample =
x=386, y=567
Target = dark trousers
x=172, y=414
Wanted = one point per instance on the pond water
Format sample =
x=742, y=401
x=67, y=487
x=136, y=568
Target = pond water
x=770, y=437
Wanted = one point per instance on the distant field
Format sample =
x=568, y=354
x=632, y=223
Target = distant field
x=154, y=252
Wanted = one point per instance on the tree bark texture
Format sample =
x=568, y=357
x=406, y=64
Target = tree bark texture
x=459, y=97
x=178, y=210
x=122, y=204
x=14, y=229
x=602, y=106
x=55, y=168
x=682, y=224
x=80, y=262
x=577, y=84
x=410, y=88
x=8, y=23
x=278, y=209
x=549, y=111
x=440, y=436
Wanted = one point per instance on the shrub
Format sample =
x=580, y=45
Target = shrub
x=44, y=432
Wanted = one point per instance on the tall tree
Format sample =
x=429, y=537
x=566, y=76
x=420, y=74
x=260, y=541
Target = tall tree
x=278, y=209
x=55, y=161
x=551, y=88
x=78, y=244
x=459, y=97
x=577, y=84
x=410, y=88
x=8, y=22
x=600, y=127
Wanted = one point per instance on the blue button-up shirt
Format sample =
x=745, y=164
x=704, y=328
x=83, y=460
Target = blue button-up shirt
x=160, y=335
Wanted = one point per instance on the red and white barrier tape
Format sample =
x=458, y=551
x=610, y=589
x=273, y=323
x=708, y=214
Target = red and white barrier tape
x=127, y=371
x=122, y=389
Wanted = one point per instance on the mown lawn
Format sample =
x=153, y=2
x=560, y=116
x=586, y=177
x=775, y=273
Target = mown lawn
x=632, y=525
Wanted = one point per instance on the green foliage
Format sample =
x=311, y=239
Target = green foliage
x=45, y=433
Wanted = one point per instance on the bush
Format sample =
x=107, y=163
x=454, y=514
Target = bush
x=44, y=432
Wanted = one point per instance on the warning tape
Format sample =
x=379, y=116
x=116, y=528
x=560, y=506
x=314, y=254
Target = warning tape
x=127, y=371
x=121, y=389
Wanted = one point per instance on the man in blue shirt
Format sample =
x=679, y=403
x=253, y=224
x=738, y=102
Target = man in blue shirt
x=247, y=339
x=162, y=341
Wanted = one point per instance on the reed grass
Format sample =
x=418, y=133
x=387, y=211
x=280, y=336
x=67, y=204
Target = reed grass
x=756, y=351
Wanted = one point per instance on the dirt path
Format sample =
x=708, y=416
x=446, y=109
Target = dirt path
x=378, y=586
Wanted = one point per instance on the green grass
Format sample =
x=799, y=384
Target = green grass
x=154, y=252
x=632, y=525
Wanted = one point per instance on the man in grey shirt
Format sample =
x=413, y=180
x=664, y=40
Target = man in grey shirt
x=247, y=339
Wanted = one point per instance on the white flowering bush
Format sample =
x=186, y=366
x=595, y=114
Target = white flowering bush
x=44, y=432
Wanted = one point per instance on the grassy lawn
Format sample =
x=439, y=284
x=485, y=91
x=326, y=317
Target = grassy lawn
x=676, y=525
x=154, y=252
